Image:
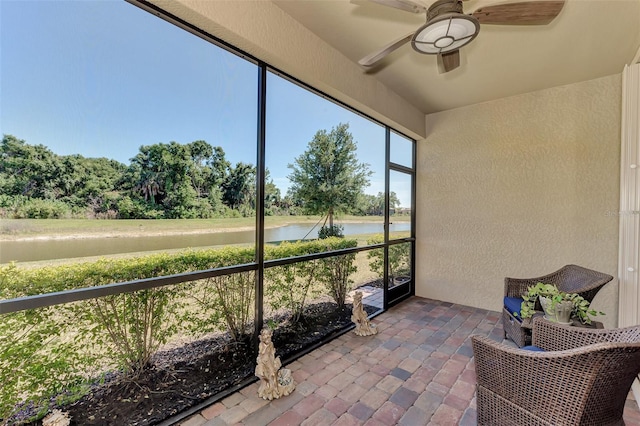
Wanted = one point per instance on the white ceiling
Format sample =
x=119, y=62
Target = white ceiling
x=588, y=39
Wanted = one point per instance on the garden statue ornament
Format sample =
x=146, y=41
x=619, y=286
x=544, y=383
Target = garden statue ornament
x=359, y=317
x=274, y=382
x=56, y=418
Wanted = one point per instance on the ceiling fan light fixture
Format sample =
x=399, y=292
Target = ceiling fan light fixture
x=445, y=33
x=447, y=29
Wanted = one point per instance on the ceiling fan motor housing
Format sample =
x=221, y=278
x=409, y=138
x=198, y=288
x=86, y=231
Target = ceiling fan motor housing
x=447, y=29
x=444, y=6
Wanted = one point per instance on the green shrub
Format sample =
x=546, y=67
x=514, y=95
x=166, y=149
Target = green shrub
x=45, y=209
x=39, y=358
x=336, y=273
x=331, y=231
x=19, y=207
x=235, y=296
x=46, y=351
x=399, y=258
x=290, y=285
x=227, y=299
x=128, y=208
x=336, y=270
x=130, y=327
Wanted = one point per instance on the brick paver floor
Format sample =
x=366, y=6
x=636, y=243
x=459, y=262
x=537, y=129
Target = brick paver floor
x=418, y=370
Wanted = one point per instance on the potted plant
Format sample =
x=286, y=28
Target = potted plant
x=558, y=306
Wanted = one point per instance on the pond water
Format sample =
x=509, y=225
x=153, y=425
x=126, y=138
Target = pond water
x=36, y=250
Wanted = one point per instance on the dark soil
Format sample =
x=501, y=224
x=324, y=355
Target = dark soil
x=181, y=378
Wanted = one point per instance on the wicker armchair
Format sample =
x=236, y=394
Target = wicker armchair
x=573, y=384
x=569, y=278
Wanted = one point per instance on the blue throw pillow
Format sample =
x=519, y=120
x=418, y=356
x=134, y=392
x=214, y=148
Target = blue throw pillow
x=532, y=348
x=513, y=306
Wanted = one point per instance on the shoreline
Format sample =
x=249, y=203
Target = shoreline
x=125, y=234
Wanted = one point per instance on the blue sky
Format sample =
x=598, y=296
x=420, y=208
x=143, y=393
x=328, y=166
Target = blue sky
x=101, y=78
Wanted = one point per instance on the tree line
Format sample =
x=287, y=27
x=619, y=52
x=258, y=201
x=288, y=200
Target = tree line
x=186, y=181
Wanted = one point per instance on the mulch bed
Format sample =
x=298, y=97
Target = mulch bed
x=188, y=375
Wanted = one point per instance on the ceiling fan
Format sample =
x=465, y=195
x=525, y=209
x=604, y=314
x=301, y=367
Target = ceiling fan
x=448, y=28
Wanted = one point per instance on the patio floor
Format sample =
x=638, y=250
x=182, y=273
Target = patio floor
x=418, y=370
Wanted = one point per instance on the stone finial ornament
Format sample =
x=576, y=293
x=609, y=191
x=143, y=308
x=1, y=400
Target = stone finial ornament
x=359, y=317
x=274, y=382
x=56, y=418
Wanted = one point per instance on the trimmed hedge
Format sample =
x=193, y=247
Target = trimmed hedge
x=58, y=350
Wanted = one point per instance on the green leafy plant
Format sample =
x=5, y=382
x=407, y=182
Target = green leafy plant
x=39, y=358
x=27, y=365
x=222, y=300
x=399, y=258
x=236, y=301
x=289, y=286
x=336, y=273
x=47, y=351
x=580, y=308
x=131, y=326
x=336, y=270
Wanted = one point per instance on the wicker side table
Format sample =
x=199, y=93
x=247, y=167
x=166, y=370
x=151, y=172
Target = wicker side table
x=528, y=322
x=520, y=332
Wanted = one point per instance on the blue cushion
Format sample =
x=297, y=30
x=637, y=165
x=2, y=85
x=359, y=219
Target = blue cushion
x=532, y=348
x=513, y=306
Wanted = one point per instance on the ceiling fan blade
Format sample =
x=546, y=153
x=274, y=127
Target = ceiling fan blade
x=372, y=58
x=448, y=61
x=521, y=13
x=406, y=5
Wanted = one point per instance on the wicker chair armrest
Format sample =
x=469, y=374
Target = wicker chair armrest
x=555, y=337
x=541, y=383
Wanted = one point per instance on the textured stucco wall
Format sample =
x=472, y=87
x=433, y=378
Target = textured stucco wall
x=267, y=32
x=520, y=187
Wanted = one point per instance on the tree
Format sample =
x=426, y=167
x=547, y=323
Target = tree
x=29, y=170
x=181, y=179
x=327, y=178
x=373, y=205
x=209, y=167
x=272, y=197
x=169, y=180
x=239, y=187
x=35, y=172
